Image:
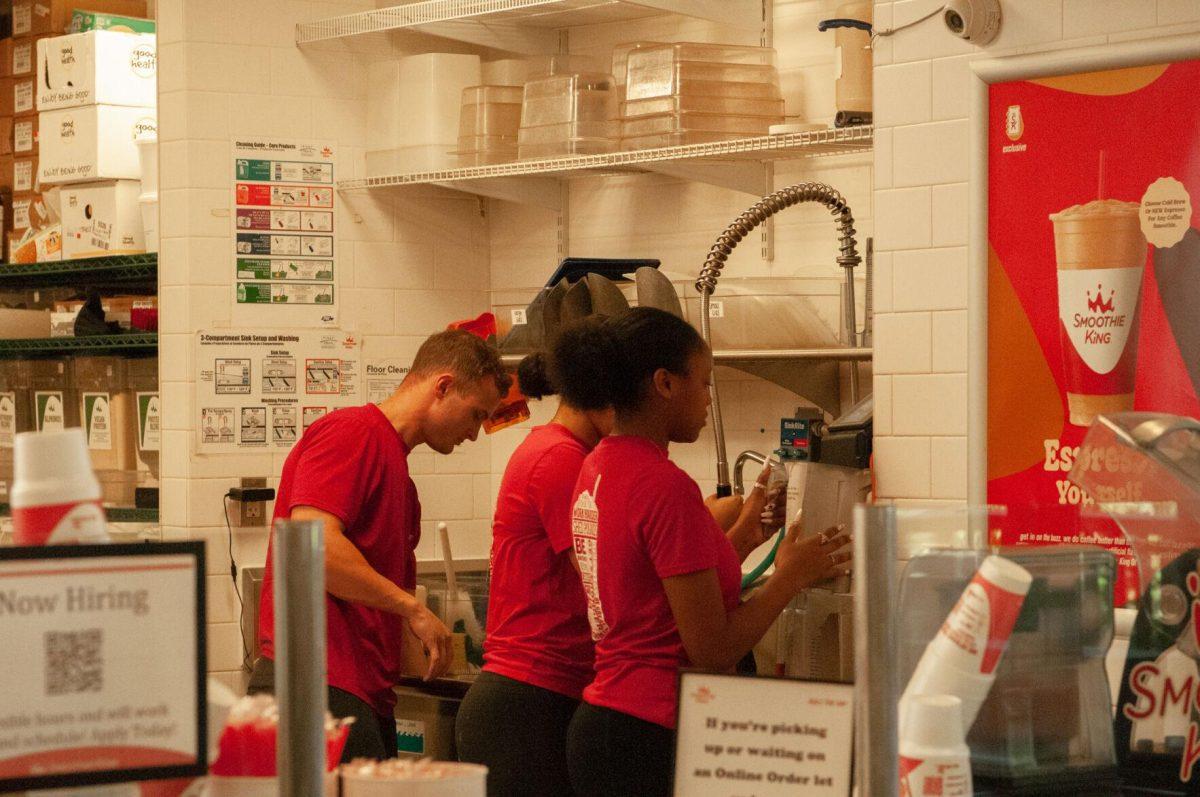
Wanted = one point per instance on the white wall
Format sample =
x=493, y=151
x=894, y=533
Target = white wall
x=410, y=263
x=921, y=197
x=414, y=260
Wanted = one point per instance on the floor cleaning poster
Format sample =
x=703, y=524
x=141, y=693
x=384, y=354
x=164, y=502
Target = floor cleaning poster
x=1093, y=283
x=285, y=240
x=259, y=389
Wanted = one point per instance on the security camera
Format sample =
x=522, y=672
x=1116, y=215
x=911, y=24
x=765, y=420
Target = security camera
x=977, y=21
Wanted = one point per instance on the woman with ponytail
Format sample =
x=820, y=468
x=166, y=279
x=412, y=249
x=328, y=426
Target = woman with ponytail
x=538, y=650
x=661, y=577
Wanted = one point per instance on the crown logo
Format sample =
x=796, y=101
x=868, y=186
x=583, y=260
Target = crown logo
x=703, y=695
x=1098, y=304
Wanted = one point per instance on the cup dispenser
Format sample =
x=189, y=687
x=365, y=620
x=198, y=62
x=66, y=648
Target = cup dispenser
x=1046, y=725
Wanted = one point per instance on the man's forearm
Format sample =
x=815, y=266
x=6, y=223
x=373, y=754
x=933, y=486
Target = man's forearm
x=349, y=577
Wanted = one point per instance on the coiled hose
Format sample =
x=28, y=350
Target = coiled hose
x=728, y=240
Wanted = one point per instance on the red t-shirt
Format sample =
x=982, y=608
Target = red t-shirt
x=638, y=519
x=537, y=628
x=353, y=465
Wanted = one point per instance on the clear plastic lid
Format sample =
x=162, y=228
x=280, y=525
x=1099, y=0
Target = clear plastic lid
x=709, y=122
x=563, y=85
x=584, y=105
x=620, y=57
x=547, y=134
x=489, y=119
x=573, y=146
x=681, y=139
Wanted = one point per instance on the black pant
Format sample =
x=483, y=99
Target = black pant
x=613, y=754
x=519, y=732
x=372, y=735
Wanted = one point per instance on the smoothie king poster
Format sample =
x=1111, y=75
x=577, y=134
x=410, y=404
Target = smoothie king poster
x=1093, y=286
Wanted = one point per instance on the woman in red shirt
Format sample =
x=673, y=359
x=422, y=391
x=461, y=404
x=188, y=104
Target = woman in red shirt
x=661, y=578
x=538, y=650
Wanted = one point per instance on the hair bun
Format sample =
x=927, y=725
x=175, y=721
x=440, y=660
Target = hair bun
x=533, y=378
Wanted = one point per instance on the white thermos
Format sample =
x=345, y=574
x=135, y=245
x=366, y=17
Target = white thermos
x=55, y=496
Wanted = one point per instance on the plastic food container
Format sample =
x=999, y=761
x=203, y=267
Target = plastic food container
x=582, y=97
x=572, y=138
x=680, y=103
x=665, y=54
x=673, y=78
x=489, y=119
x=707, y=122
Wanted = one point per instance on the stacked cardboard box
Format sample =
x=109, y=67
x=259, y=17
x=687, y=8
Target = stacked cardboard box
x=32, y=222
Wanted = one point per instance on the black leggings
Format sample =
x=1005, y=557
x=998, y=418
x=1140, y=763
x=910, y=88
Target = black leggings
x=613, y=754
x=519, y=732
x=372, y=735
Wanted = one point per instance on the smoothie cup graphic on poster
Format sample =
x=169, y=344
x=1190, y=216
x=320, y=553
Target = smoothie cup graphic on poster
x=1101, y=254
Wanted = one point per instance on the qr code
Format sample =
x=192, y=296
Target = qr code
x=73, y=661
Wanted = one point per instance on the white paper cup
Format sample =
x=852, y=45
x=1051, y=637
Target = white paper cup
x=148, y=158
x=149, y=206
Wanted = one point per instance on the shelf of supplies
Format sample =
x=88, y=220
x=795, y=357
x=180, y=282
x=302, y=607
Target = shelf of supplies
x=732, y=164
x=113, y=270
x=520, y=26
x=115, y=514
x=745, y=356
x=133, y=343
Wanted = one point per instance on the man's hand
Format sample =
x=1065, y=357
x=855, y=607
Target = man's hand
x=436, y=640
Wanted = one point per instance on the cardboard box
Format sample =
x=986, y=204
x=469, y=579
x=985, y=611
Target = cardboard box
x=54, y=16
x=24, y=59
x=36, y=211
x=6, y=134
x=98, y=67
x=89, y=20
x=6, y=48
x=24, y=323
x=26, y=133
x=22, y=175
x=36, y=247
x=107, y=411
x=117, y=309
x=24, y=96
x=6, y=97
x=6, y=173
x=102, y=219
x=95, y=142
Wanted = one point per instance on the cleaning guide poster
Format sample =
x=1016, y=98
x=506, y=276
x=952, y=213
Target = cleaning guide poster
x=285, y=243
x=1093, y=285
x=259, y=389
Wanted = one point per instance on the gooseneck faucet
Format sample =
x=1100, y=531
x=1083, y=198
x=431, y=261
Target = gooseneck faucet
x=718, y=255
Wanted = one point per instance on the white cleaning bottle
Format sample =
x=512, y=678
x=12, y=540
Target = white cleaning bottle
x=934, y=758
x=55, y=495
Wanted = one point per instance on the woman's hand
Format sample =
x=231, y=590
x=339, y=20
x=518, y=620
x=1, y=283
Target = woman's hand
x=761, y=516
x=725, y=511
x=803, y=562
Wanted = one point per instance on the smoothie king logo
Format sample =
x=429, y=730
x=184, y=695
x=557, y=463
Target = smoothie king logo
x=1098, y=304
x=1014, y=123
x=1101, y=319
x=1167, y=692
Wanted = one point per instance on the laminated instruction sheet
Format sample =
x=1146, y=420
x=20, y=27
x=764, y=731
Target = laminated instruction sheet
x=259, y=389
x=285, y=250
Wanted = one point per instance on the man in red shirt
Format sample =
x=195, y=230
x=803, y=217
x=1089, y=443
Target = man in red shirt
x=350, y=471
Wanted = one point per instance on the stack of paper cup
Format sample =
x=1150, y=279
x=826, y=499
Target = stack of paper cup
x=55, y=496
x=148, y=156
x=961, y=659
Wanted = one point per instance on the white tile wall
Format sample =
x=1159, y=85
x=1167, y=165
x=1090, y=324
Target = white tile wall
x=922, y=92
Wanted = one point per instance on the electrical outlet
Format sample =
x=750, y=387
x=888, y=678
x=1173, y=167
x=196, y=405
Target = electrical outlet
x=251, y=514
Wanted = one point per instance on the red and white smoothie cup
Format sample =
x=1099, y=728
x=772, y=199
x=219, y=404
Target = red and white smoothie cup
x=1101, y=254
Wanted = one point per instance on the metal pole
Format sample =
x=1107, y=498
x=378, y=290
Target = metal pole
x=299, y=593
x=876, y=682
